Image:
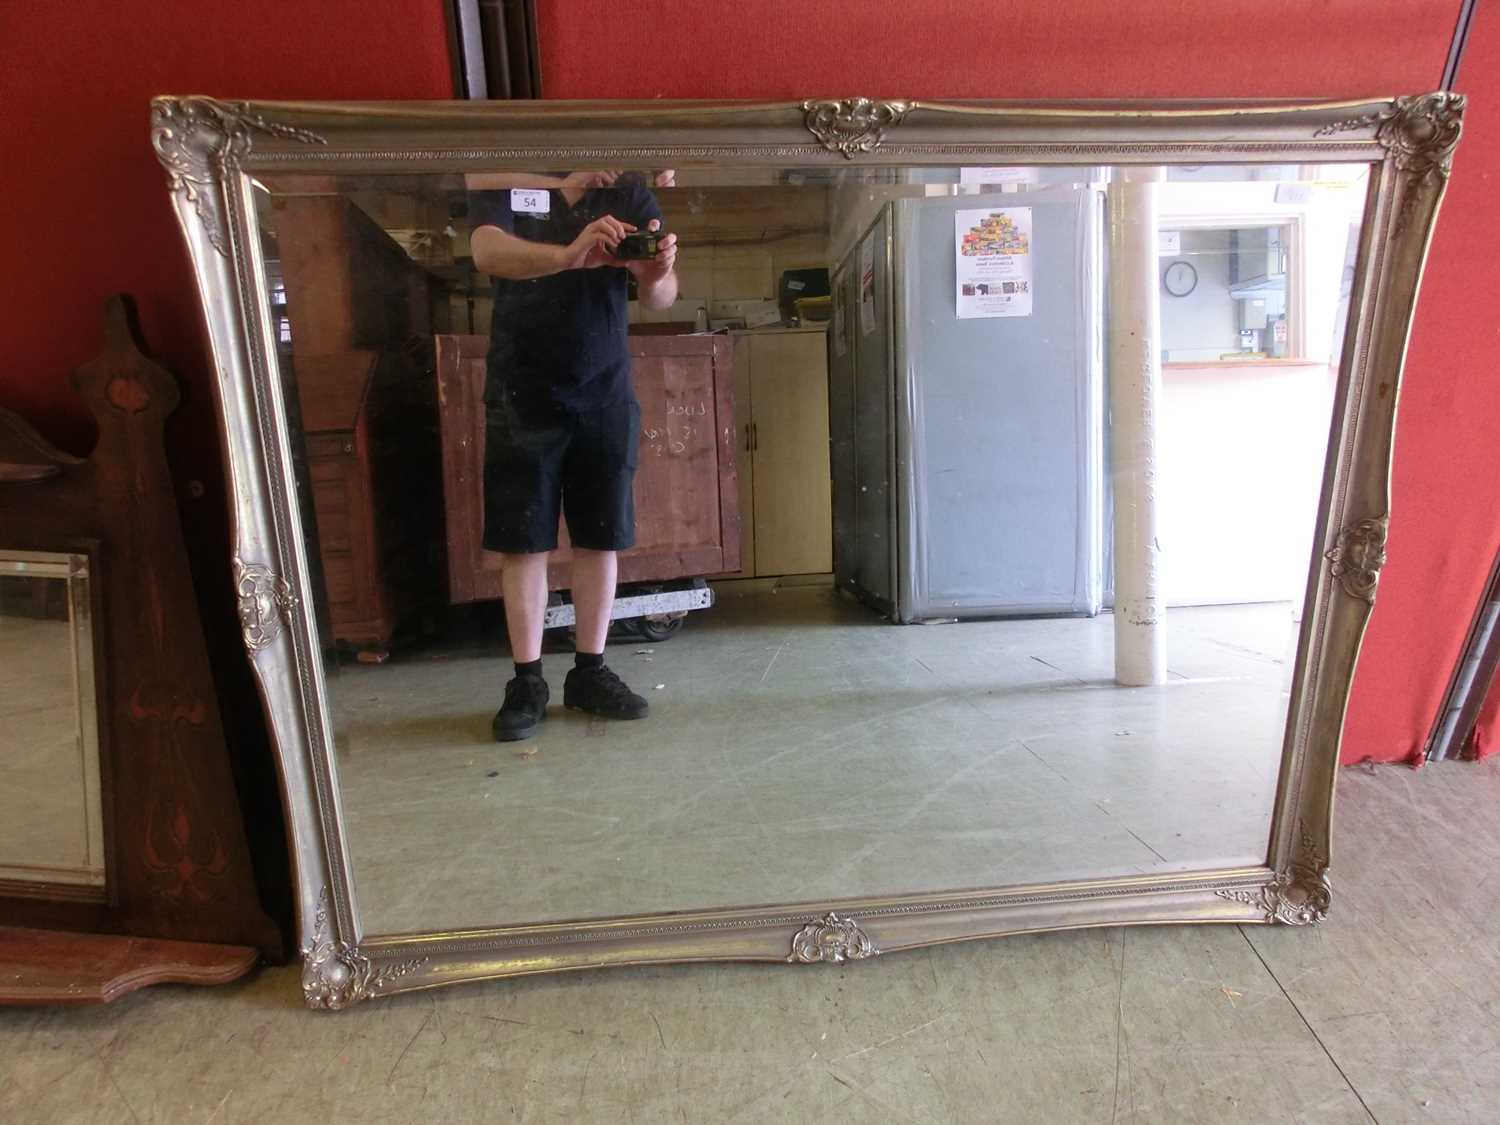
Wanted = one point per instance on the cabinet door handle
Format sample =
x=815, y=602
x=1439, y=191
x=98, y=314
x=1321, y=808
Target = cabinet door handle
x=755, y=436
x=747, y=437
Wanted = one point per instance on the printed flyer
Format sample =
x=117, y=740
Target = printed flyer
x=993, y=262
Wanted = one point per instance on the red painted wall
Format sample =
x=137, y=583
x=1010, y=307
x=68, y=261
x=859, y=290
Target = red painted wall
x=1446, y=493
x=1445, y=488
x=84, y=213
x=82, y=198
x=1019, y=49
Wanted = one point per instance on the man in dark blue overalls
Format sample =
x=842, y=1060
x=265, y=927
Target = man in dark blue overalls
x=562, y=421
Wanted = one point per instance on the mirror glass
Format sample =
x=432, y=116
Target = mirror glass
x=51, y=827
x=849, y=447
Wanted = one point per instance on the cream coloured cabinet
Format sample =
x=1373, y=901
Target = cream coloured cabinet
x=781, y=403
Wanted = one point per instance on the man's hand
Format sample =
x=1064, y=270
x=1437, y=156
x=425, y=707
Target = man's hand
x=656, y=279
x=587, y=181
x=650, y=270
x=595, y=246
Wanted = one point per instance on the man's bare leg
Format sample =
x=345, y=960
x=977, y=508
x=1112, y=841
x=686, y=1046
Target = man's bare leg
x=524, y=585
x=594, y=575
x=591, y=686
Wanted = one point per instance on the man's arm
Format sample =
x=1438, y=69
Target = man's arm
x=501, y=254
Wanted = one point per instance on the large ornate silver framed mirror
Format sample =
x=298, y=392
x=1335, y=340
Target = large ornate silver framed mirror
x=1005, y=488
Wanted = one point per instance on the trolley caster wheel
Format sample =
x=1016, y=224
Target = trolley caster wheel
x=661, y=626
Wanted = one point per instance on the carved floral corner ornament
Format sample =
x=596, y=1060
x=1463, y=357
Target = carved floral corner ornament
x=852, y=125
x=834, y=940
x=1420, y=133
x=265, y=598
x=336, y=974
x=1358, y=556
x=1299, y=897
x=200, y=141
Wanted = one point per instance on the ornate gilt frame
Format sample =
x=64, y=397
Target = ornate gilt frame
x=210, y=149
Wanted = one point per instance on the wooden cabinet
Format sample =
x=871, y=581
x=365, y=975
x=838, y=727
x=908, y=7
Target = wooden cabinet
x=371, y=471
x=686, y=492
x=134, y=706
x=781, y=384
x=359, y=357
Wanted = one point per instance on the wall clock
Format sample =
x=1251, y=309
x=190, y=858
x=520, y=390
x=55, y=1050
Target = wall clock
x=1180, y=279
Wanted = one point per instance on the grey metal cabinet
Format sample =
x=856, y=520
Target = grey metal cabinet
x=968, y=453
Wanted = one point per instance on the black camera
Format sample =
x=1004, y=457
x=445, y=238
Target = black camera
x=639, y=246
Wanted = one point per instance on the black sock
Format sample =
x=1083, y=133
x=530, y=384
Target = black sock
x=588, y=659
x=533, y=668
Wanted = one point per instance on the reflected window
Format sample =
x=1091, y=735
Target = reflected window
x=1225, y=293
x=1256, y=270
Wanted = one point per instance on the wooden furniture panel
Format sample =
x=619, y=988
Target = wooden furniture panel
x=177, y=862
x=342, y=510
x=682, y=526
x=460, y=388
x=793, y=514
x=370, y=483
x=57, y=967
x=361, y=315
x=686, y=484
x=744, y=411
x=785, y=495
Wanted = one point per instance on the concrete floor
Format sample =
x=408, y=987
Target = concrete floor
x=1387, y=1012
x=799, y=750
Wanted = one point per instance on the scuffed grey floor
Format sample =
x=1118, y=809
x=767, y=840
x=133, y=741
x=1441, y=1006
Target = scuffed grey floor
x=1387, y=1012
x=800, y=750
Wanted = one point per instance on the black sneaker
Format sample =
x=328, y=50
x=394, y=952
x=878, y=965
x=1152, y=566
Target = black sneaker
x=525, y=706
x=600, y=692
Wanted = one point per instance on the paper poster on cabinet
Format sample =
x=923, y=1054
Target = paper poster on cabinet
x=993, y=261
x=867, y=286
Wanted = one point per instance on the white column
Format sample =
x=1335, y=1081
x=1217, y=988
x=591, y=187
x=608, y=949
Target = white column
x=1134, y=411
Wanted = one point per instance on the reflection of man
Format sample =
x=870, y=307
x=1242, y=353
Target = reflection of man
x=562, y=421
